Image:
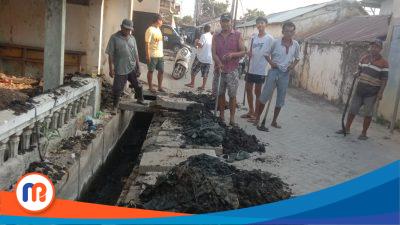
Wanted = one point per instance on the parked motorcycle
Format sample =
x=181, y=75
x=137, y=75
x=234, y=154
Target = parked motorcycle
x=181, y=64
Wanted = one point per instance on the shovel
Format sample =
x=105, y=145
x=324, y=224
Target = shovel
x=217, y=94
x=347, y=104
x=262, y=126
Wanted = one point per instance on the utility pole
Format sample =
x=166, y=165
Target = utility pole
x=197, y=10
x=233, y=8
x=235, y=16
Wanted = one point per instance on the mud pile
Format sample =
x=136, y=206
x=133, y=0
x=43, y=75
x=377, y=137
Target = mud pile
x=15, y=101
x=200, y=127
x=206, y=99
x=204, y=184
x=236, y=140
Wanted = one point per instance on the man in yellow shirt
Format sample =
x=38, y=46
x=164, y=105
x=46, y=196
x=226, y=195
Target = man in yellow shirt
x=154, y=52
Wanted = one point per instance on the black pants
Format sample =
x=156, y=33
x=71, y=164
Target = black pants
x=120, y=81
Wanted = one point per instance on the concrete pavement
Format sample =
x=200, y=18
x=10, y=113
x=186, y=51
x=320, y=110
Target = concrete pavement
x=306, y=152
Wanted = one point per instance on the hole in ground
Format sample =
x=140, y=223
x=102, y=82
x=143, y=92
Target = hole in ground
x=106, y=185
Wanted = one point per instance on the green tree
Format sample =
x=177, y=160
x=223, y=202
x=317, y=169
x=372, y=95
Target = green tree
x=187, y=20
x=252, y=14
x=212, y=8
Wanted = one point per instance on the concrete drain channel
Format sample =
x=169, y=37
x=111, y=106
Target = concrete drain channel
x=157, y=165
x=108, y=182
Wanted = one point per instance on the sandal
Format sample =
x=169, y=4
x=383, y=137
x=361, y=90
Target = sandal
x=189, y=85
x=247, y=115
x=200, y=88
x=341, y=131
x=233, y=124
x=276, y=125
x=153, y=91
x=161, y=90
x=362, y=137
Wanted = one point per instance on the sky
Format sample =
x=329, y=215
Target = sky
x=268, y=6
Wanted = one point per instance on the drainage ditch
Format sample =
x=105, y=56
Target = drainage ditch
x=107, y=184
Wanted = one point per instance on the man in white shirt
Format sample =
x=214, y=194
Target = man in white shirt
x=285, y=54
x=259, y=49
x=203, y=59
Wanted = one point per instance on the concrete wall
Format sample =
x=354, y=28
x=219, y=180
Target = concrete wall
x=386, y=7
x=392, y=53
x=112, y=17
x=319, y=71
x=152, y=6
x=326, y=69
x=23, y=21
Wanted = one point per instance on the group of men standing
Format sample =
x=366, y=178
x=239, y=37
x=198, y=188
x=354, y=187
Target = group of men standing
x=225, y=49
x=228, y=47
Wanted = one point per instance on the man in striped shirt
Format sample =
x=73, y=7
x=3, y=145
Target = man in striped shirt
x=373, y=76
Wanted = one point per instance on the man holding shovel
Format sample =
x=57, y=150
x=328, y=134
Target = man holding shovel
x=227, y=48
x=372, y=78
x=260, y=46
x=285, y=54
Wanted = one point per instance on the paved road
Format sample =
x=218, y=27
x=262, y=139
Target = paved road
x=306, y=153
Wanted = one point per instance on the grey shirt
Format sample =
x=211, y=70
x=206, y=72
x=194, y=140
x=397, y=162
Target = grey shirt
x=124, y=52
x=282, y=57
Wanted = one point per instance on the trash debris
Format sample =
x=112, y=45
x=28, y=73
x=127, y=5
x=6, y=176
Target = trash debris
x=15, y=101
x=106, y=96
x=90, y=126
x=79, y=142
x=204, y=184
x=53, y=171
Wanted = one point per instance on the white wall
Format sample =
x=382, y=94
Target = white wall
x=320, y=71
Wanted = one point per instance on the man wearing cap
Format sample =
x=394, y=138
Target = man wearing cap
x=155, y=52
x=123, y=62
x=372, y=78
x=227, y=49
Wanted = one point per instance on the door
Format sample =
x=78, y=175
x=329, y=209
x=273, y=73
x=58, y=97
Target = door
x=145, y=19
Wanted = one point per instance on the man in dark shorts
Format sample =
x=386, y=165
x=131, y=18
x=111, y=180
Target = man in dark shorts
x=203, y=59
x=373, y=76
x=259, y=49
x=123, y=62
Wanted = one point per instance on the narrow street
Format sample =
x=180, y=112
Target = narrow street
x=306, y=153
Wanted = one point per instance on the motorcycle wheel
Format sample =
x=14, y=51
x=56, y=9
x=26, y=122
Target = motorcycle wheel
x=178, y=72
